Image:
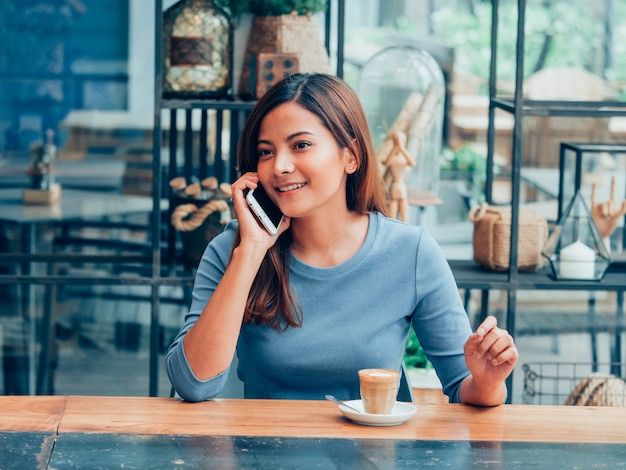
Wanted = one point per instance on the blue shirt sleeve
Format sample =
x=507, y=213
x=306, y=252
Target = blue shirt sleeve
x=209, y=273
x=440, y=321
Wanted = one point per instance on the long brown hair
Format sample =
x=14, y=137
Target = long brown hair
x=271, y=300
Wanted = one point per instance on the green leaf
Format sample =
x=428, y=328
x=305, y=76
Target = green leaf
x=272, y=7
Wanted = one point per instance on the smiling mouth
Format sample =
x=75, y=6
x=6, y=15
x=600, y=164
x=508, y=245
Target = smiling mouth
x=291, y=187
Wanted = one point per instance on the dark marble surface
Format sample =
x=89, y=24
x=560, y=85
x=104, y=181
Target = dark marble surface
x=25, y=450
x=105, y=451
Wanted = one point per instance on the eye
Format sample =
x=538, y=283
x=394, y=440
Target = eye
x=301, y=145
x=264, y=153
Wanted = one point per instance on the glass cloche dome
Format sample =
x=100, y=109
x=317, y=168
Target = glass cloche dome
x=402, y=90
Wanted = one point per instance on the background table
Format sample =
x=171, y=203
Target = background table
x=75, y=206
x=94, y=173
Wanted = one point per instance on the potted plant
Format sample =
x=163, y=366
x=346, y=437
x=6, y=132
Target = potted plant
x=420, y=370
x=283, y=38
x=465, y=165
x=415, y=357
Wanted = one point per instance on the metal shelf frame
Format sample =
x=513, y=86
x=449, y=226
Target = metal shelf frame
x=511, y=281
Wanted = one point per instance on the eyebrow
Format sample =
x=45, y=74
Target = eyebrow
x=298, y=134
x=288, y=139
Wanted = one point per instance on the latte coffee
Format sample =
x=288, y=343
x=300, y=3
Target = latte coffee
x=379, y=388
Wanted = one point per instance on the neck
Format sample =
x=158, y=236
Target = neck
x=327, y=243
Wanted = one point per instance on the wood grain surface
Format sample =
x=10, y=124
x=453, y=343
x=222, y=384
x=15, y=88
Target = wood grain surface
x=298, y=418
x=295, y=418
x=31, y=413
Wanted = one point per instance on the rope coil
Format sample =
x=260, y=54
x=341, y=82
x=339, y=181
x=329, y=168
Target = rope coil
x=188, y=217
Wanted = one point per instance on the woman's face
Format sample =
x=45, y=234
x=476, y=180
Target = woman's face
x=300, y=164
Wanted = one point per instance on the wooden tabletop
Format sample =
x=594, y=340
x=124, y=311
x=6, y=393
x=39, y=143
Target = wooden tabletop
x=319, y=419
x=33, y=413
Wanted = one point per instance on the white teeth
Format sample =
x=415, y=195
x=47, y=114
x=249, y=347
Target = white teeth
x=290, y=187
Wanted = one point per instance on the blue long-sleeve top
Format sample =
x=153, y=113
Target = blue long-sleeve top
x=355, y=315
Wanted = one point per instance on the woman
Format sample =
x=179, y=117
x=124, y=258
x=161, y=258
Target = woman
x=338, y=287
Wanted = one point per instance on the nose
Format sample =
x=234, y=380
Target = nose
x=283, y=162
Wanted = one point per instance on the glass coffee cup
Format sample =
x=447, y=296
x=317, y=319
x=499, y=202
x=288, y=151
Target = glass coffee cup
x=379, y=389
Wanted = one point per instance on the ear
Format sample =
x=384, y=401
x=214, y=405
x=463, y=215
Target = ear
x=352, y=165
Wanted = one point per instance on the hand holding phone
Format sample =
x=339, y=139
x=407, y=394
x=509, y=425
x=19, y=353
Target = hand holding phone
x=264, y=209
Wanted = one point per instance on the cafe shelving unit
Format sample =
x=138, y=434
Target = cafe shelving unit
x=467, y=273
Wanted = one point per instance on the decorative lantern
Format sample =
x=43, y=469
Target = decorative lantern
x=402, y=89
x=575, y=248
x=583, y=164
x=198, y=50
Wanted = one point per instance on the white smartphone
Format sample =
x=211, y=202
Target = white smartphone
x=264, y=209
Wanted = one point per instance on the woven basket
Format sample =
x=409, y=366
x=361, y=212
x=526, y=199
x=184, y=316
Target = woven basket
x=492, y=238
x=286, y=34
x=598, y=390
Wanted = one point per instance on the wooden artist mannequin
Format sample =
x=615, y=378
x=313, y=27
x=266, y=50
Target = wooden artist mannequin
x=397, y=162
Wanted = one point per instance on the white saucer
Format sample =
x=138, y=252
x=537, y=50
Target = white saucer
x=400, y=413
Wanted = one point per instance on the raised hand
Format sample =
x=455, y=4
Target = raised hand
x=490, y=354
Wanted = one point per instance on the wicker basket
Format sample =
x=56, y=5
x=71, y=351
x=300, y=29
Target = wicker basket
x=598, y=389
x=574, y=383
x=492, y=238
x=286, y=34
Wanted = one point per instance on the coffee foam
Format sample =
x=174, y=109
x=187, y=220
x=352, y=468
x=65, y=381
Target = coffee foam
x=379, y=372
